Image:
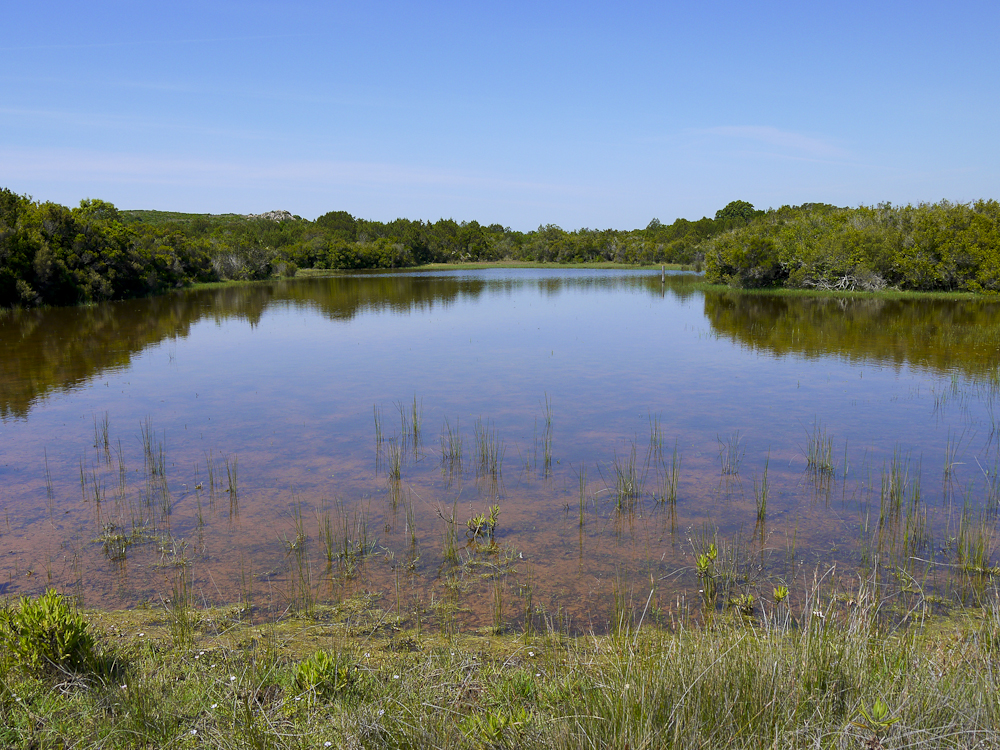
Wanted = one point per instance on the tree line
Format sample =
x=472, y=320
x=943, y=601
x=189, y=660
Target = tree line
x=54, y=255
x=928, y=247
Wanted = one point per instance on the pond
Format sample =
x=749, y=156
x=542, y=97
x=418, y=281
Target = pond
x=498, y=447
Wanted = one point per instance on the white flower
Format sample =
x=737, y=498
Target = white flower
x=215, y=705
x=232, y=678
x=381, y=711
x=141, y=635
x=627, y=686
x=395, y=677
x=538, y=674
x=194, y=731
x=328, y=744
x=531, y=653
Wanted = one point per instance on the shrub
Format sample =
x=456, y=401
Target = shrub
x=45, y=634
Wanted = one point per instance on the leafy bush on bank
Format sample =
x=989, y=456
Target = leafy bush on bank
x=929, y=247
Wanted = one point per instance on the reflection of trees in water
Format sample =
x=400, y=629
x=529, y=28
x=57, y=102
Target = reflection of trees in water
x=934, y=334
x=60, y=348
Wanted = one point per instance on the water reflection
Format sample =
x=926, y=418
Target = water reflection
x=937, y=335
x=59, y=349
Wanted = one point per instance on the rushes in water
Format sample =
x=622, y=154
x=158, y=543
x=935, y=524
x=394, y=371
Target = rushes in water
x=451, y=446
x=102, y=436
x=378, y=427
x=547, y=438
x=675, y=471
x=731, y=453
x=395, y=460
x=415, y=420
x=582, y=476
x=232, y=478
x=819, y=451
x=489, y=450
x=629, y=480
x=49, y=491
x=760, y=491
x=952, y=450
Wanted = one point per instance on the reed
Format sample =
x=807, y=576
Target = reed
x=416, y=418
x=490, y=451
x=819, y=450
x=547, y=439
x=50, y=494
x=731, y=453
x=378, y=427
x=629, y=479
x=102, y=435
x=451, y=446
x=300, y=580
x=394, y=459
x=760, y=490
x=232, y=484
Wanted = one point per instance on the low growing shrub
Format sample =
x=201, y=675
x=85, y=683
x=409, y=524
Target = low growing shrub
x=45, y=633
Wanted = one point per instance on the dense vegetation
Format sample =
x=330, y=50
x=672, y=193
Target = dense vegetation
x=930, y=247
x=50, y=254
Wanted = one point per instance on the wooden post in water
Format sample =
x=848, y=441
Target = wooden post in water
x=663, y=274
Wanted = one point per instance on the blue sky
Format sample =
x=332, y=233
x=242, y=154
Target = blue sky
x=577, y=114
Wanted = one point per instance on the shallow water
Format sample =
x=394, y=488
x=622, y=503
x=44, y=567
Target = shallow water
x=570, y=373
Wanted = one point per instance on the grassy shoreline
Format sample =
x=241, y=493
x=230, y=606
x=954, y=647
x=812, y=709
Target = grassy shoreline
x=834, y=674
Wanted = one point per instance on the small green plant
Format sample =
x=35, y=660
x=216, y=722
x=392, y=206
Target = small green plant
x=780, y=593
x=744, y=604
x=483, y=526
x=705, y=565
x=326, y=675
x=876, y=721
x=45, y=634
x=498, y=728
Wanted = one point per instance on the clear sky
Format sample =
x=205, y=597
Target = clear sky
x=523, y=113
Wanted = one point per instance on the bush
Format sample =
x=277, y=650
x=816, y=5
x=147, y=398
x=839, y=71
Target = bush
x=46, y=634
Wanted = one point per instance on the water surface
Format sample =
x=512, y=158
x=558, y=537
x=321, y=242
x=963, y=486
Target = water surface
x=225, y=441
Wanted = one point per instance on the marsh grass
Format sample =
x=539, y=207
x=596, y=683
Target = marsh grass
x=394, y=459
x=731, y=453
x=819, y=450
x=232, y=484
x=760, y=491
x=834, y=668
x=628, y=478
x=451, y=448
x=490, y=451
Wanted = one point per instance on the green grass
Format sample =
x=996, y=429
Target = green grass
x=834, y=672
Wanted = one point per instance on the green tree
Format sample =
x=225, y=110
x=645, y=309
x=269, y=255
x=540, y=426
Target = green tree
x=736, y=211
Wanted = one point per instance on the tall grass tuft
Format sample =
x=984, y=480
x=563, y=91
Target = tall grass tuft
x=819, y=450
x=731, y=453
